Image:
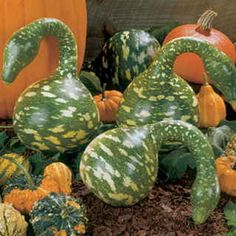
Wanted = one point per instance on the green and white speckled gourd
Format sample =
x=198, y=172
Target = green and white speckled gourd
x=120, y=166
x=159, y=94
x=56, y=114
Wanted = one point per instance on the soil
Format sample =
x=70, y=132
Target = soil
x=166, y=211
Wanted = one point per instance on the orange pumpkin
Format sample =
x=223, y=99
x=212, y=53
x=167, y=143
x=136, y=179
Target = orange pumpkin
x=226, y=172
x=212, y=108
x=108, y=104
x=17, y=13
x=188, y=65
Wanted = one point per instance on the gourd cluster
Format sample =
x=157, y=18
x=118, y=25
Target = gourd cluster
x=120, y=166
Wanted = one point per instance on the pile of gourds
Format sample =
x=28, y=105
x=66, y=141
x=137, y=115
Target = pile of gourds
x=120, y=166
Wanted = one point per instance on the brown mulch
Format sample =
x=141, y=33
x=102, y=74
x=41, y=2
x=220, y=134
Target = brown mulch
x=165, y=212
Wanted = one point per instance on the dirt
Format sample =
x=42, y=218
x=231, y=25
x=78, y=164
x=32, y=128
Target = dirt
x=166, y=211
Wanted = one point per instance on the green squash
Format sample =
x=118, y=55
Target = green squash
x=58, y=215
x=56, y=114
x=120, y=166
x=124, y=56
x=159, y=94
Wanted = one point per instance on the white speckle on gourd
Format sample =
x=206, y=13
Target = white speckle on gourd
x=30, y=94
x=49, y=95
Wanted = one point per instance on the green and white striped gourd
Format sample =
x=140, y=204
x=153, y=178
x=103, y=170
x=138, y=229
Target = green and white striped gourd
x=159, y=94
x=57, y=215
x=120, y=166
x=56, y=114
x=124, y=56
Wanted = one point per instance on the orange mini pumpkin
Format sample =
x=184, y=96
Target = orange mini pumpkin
x=108, y=104
x=59, y=172
x=212, y=108
x=226, y=172
x=18, y=13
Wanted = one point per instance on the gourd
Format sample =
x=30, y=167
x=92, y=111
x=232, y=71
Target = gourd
x=158, y=94
x=108, y=104
x=56, y=114
x=65, y=216
x=125, y=55
x=23, y=190
x=120, y=166
x=188, y=65
x=15, y=14
x=211, y=106
x=230, y=149
x=226, y=172
x=8, y=168
x=12, y=222
x=59, y=172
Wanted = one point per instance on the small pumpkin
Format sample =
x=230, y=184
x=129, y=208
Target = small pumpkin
x=8, y=168
x=12, y=222
x=226, y=172
x=108, y=103
x=188, y=65
x=59, y=172
x=65, y=216
x=23, y=190
x=212, y=108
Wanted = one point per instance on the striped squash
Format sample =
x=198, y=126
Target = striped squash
x=54, y=115
x=120, y=166
x=8, y=168
x=159, y=94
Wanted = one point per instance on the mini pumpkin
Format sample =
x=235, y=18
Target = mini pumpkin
x=23, y=190
x=8, y=168
x=108, y=103
x=12, y=222
x=212, y=108
x=226, y=172
x=65, y=216
x=59, y=172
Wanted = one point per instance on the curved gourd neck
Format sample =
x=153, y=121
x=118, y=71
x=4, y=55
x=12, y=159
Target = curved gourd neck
x=23, y=47
x=218, y=66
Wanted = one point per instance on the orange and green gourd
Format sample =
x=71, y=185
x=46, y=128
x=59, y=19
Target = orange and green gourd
x=65, y=216
x=159, y=94
x=56, y=114
x=120, y=166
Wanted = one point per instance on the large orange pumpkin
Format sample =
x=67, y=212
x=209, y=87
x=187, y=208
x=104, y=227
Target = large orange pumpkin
x=188, y=65
x=17, y=13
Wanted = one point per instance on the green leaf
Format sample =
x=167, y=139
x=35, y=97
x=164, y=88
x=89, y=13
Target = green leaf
x=230, y=213
x=176, y=162
x=3, y=138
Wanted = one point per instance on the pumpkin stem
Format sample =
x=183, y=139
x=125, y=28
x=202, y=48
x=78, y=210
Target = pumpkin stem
x=205, y=78
x=26, y=173
x=103, y=91
x=206, y=19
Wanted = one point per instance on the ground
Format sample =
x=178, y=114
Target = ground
x=166, y=211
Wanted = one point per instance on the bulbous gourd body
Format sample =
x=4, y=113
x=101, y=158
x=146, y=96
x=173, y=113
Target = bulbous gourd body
x=158, y=94
x=57, y=114
x=120, y=166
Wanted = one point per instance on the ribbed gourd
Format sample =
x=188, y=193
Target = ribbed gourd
x=120, y=166
x=56, y=114
x=125, y=55
x=65, y=215
x=159, y=94
x=8, y=168
x=12, y=222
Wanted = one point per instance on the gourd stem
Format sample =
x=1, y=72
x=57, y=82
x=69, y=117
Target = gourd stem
x=206, y=19
x=201, y=151
x=26, y=173
x=27, y=48
x=103, y=91
x=205, y=78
